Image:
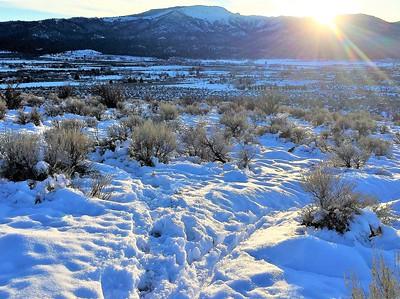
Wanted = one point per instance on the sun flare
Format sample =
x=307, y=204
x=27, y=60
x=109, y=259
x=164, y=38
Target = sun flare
x=327, y=20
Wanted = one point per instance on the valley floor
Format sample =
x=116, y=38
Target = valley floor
x=187, y=230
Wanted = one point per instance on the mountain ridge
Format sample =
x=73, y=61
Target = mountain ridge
x=206, y=32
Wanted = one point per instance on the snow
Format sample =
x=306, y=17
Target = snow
x=185, y=230
x=209, y=14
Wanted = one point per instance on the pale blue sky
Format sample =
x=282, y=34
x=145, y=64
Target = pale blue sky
x=40, y=9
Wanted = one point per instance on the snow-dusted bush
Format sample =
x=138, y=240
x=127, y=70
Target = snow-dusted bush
x=247, y=154
x=375, y=146
x=396, y=138
x=22, y=117
x=319, y=116
x=20, y=154
x=209, y=147
x=194, y=109
x=3, y=109
x=89, y=107
x=152, y=140
x=67, y=147
x=217, y=146
x=12, y=97
x=65, y=91
x=168, y=111
x=385, y=283
x=235, y=123
x=334, y=201
x=295, y=134
x=278, y=124
x=193, y=142
x=131, y=122
x=110, y=94
x=35, y=117
x=362, y=122
x=100, y=185
x=69, y=124
x=116, y=133
x=269, y=104
x=350, y=156
x=53, y=109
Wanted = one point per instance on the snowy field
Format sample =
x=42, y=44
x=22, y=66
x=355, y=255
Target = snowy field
x=188, y=228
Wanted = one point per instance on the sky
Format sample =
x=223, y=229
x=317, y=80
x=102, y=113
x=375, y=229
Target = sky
x=40, y=9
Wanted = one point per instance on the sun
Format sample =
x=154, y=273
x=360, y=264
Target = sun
x=324, y=19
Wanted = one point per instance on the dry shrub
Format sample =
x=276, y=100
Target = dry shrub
x=168, y=112
x=385, y=282
x=193, y=140
x=115, y=134
x=100, y=186
x=52, y=109
x=69, y=124
x=334, y=201
x=35, y=117
x=213, y=147
x=217, y=146
x=90, y=107
x=298, y=135
x=3, y=109
x=152, y=140
x=67, y=148
x=236, y=123
x=396, y=138
x=22, y=117
x=375, y=146
x=278, y=124
x=350, y=156
x=65, y=92
x=319, y=116
x=247, y=154
x=111, y=94
x=195, y=109
x=12, y=97
x=269, y=104
x=20, y=153
x=362, y=122
x=131, y=122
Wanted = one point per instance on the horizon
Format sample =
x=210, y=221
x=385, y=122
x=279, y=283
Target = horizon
x=14, y=10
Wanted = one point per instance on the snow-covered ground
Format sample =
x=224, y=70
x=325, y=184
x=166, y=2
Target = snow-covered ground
x=186, y=230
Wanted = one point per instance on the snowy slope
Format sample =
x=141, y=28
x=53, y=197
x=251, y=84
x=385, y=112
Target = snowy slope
x=209, y=14
x=184, y=230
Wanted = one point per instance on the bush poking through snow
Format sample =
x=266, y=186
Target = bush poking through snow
x=247, y=154
x=100, y=184
x=376, y=146
x=168, y=112
x=3, y=109
x=349, y=156
x=236, y=123
x=67, y=148
x=20, y=153
x=396, y=138
x=35, y=117
x=385, y=283
x=111, y=94
x=217, y=147
x=193, y=142
x=65, y=92
x=152, y=140
x=12, y=97
x=334, y=201
x=269, y=104
x=22, y=117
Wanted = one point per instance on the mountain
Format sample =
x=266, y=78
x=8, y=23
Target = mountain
x=207, y=32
